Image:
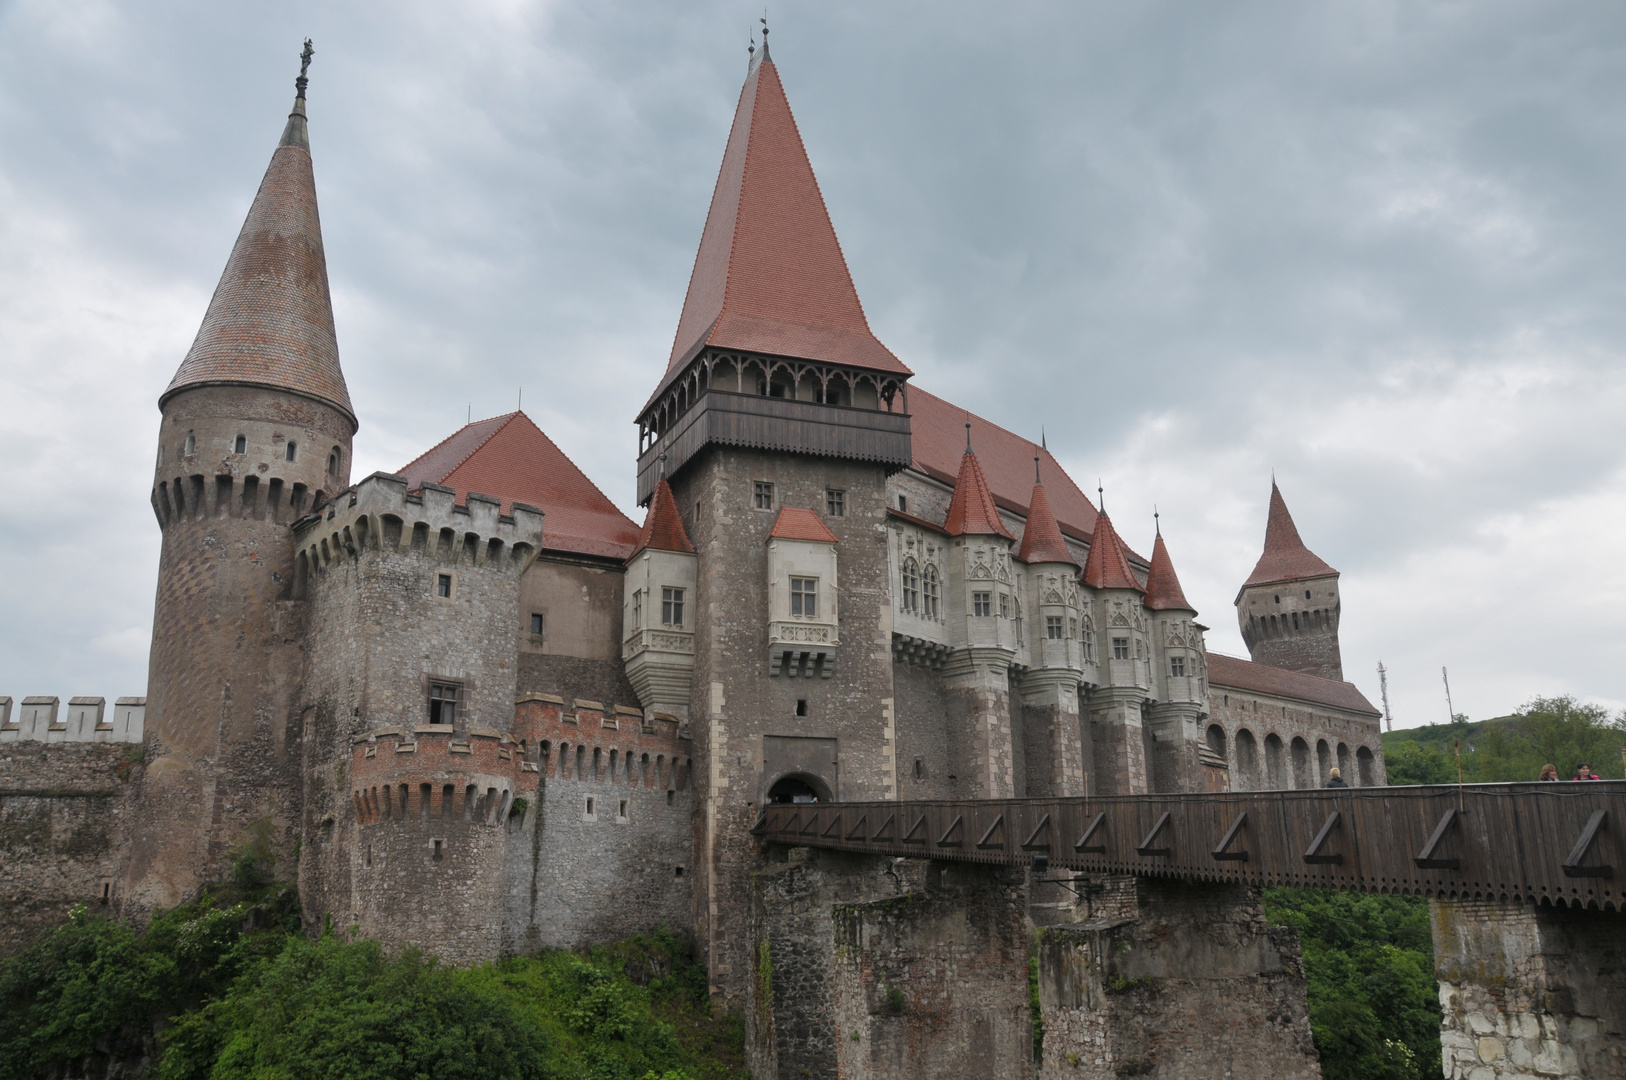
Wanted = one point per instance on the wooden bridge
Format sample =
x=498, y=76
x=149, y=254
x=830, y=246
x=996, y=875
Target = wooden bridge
x=1556, y=843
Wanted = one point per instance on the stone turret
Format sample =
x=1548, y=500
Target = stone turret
x=657, y=618
x=1118, y=609
x=256, y=431
x=1289, y=607
x=1181, y=759
x=1054, y=753
x=983, y=611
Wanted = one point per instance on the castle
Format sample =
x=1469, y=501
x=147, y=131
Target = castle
x=479, y=710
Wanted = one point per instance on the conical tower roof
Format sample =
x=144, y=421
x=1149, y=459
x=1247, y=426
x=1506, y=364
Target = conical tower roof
x=663, y=528
x=770, y=276
x=1041, y=536
x=1107, y=566
x=1285, y=557
x=972, y=511
x=270, y=322
x=1163, y=592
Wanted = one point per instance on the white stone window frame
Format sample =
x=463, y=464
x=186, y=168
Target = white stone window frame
x=673, y=598
x=798, y=596
x=982, y=604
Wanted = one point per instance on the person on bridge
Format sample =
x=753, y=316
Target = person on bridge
x=1549, y=772
x=1584, y=772
x=1335, y=778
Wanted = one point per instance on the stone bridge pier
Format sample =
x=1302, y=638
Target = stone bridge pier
x=1530, y=990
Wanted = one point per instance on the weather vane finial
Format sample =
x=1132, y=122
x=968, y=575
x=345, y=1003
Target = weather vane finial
x=968, y=436
x=764, y=21
x=304, y=67
x=1036, y=468
x=1157, y=521
x=1101, y=494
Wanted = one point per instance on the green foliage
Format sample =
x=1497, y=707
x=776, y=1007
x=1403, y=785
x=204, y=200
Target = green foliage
x=1557, y=731
x=1369, y=959
x=1033, y=1005
x=246, y=995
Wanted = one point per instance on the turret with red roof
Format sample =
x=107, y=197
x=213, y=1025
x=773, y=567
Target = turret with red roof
x=1288, y=608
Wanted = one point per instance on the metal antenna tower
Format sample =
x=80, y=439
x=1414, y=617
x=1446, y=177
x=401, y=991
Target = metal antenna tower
x=1450, y=710
x=1383, y=688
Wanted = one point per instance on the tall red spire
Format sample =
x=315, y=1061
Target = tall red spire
x=770, y=276
x=1041, y=536
x=1285, y=557
x=1163, y=592
x=663, y=528
x=270, y=322
x=972, y=511
x=1107, y=566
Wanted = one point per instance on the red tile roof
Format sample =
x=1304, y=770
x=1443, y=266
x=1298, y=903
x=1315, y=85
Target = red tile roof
x=1041, y=536
x=1285, y=558
x=971, y=509
x=800, y=523
x=1237, y=674
x=1163, y=592
x=937, y=439
x=1107, y=566
x=769, y=276
x=508, y=457
x=270, y=322
x=663, y=526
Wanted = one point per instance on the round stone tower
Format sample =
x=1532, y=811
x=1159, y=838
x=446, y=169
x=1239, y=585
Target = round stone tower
x=256, y=433
x=1288, y=608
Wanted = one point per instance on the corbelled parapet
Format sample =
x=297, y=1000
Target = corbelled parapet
x=86, y=719
x=591, y=740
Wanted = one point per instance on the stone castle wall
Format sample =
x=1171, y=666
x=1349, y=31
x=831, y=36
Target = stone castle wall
x=1273, y=743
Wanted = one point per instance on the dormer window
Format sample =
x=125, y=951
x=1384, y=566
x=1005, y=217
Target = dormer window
x=240, y=446
x=804, y=597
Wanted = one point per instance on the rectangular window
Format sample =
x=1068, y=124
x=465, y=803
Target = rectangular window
x=1052, y=627
x=671, y=607
x=443, y=702
x=1120, y=648
x=762, y=491
x=240, y=446
x=1177, y=666
x=982, y=604
x=443, y=585
x=903, y=504
x=536, y=624
x=804, y=596
x=1004, y=606
x=835, y=502
x=637, y=609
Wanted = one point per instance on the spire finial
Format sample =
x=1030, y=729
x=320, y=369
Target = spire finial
x=1036, y=479
x=1158, y=522
x=1043, y=445
x=1101, y=495
x=968, y=436
x=304, y=67
x=765, y=57
x=751, y=49
x=662, y=460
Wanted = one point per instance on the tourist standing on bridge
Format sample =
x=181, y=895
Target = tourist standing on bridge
x=1549, y=772
x=1584, y=772
x=1335, y=778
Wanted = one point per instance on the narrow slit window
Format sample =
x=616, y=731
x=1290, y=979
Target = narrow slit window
x=292, y=451
x=240, y=446
x=191, y=444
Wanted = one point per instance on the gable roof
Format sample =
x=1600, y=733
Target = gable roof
x=800, y=523
x=1107, y=566
x=937, y=440
x=971, y=509
x=1238, y=674
x=769, y=276
x=510, y=458
x=1285, y=557
x=270, y=321
x=1163, y=592
x=1041, y=536
x=663, y=525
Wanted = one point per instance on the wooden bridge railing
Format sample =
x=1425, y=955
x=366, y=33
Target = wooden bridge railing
x=1562, y=843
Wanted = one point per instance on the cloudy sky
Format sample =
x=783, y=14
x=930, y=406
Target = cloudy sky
x=1374, y=248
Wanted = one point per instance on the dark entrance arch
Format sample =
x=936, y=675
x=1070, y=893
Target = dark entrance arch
x=799, y=788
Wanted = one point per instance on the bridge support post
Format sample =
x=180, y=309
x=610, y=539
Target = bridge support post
x=1530, y=990
x=1174, y=980
x=866, y=968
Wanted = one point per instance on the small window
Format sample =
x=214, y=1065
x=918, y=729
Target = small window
x=191, y=444
x=637, y=608
x=444, y=699
x=920, y=768
x=1053, y=627
x=333, y=463
x=835, y=502
x=536, y=624
x=621, y=810
x=589, y=806
x=903, y=504
x=929, y=592
x=804, y=596
x=677, y=871
x=1004, y=606
x=443, y=585
x=240, y=446
x=1177, y=666
x=1307, y=594
x=671, y=607
x=762, y=492
x=292, y=451
x=911, y=585
x=801, y=706
x=982, y=604
x=1120, y=648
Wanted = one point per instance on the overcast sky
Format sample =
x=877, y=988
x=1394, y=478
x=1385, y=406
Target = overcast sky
x=1376, y=248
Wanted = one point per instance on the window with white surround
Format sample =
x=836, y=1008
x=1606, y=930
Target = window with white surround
x=982, y=604
x=804, y=597
x=1120, y=648
x=929, y=592
x=671, y=607
x=911, y=585
x=638, y=608
x=1052, y=627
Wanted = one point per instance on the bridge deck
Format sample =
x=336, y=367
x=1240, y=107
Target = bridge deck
x=1562, y=843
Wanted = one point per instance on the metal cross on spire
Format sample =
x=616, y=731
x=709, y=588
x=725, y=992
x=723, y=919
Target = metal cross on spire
x=304, y=67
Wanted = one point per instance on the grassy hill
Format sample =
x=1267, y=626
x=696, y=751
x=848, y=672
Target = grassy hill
x=1558, y=731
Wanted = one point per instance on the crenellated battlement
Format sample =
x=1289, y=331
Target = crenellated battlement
x=379, y=514
x=429, y=774
x=590, y=741
x=199, y=497
x=84, y=720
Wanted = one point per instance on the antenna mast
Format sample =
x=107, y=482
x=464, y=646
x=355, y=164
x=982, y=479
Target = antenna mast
x=1383, y=688
x=1449, y=708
